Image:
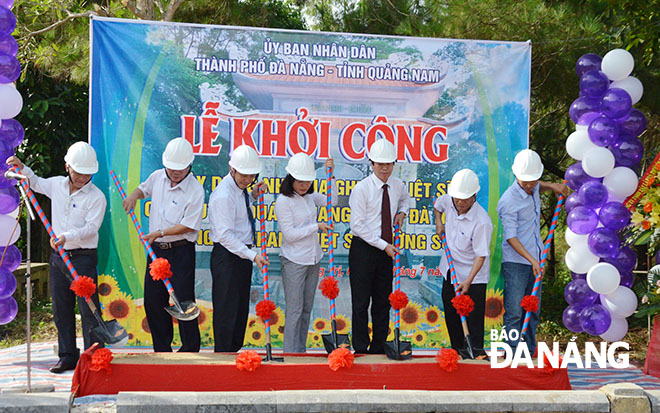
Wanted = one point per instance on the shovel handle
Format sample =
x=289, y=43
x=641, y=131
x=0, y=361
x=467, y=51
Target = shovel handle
x=331, y=248
x=147, y=245
x=544, y=256
x=264, y=269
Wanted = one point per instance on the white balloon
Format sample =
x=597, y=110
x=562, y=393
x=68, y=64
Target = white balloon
x=598, y=162
x=578, y=143
x=632, y=85
x=12, y=101
x=579, y=259
x=603, y=278
x=617, y=64
x=622, y=302
x=618, y=329
x=14, y=213
x=621, y=182
x=573, y=239
x=7, y=225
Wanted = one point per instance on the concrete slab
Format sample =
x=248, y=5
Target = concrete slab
x=654, y=399
x=626, y=398
x=35, y=403
x=365, y=401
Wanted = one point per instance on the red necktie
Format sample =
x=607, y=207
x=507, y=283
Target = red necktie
x=386, y=217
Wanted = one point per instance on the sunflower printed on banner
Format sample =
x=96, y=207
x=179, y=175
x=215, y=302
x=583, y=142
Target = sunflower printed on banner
x=321, y=325
x=494, y=310
x=411, y=316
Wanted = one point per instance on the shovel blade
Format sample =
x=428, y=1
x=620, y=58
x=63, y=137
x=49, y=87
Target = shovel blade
x=111, y=332
x=467, y=352
x=330, y=344
x=190, y=311
x=398, y=350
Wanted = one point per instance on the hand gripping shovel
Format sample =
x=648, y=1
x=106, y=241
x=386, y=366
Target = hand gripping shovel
x=264, y=271
x=397, y=349
x=544, y=256
x=184, y=311
x=111, y=332
x=467, y=352
x=333, y=340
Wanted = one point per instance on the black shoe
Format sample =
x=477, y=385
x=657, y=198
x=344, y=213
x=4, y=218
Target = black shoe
x=63, y=366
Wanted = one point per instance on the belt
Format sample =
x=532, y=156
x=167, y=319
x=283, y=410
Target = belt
x=80, y=251
x=247, y=245
x=170, y=245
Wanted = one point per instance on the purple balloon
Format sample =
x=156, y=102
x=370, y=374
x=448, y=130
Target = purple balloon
x=10, y=68
x=9, y=200
x=586, y=119
x=8, y=45
x=627, y=150
x=603, y=131
x=625, y=260
x=6, y=3
x=577, y=276
x=634, y=124
x=11, y=132
x=604, y=242
x=614, y=215
x=585, y=63
x=572, y=201
x=593, y=194
x=575, y=176
x=6, y=183
x=12, y=257
x=594, y=84
x=8, y=310
x=571, y=319
x=582, y=220
x=657, y=257
x=615, y=103
x=627, y=279
x=7, y=283
x=595, y=319
x=578, y=294
x=582, y=105
x=7, y=21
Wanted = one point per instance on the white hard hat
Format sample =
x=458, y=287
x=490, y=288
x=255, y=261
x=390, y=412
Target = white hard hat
x=301, y=167
x=81, y=157
x=382, y=151
x=178, y=154
x=464, y=184
x=527, y=165
x=245, y=160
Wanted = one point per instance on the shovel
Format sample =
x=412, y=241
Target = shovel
x=184, y=311
x=110, y=332
x=333, y=340
x=397, y=349
x=264, y=271
x=467, y=352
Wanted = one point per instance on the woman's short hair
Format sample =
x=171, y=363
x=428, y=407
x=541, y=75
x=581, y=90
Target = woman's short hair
x=286, y=187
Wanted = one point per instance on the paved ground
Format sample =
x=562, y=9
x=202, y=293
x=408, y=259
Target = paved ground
x=13, y=372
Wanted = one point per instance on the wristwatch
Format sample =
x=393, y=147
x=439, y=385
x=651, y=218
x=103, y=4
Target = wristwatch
x=162, y=234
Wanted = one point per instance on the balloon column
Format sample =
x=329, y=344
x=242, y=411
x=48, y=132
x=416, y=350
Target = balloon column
x=11, y=135
x=606, y=145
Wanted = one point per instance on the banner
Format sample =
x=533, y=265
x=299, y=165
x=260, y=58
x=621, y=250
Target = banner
x=445, y=104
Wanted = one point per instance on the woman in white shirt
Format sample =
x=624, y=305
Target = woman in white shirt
x=296, y=211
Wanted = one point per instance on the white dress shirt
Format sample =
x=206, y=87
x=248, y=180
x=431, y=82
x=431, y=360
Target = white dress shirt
x=468, y=237
x=77, y=216
x=182, y=204
x=296, y=218
x=366, y=202
x=230, y=224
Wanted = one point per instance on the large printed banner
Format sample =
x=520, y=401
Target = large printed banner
x=445, y=104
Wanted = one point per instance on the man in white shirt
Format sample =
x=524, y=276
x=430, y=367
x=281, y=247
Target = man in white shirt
x=377, y=202
x=177, y=202
x=77, y=208
x=233, y=236
x=469, y=229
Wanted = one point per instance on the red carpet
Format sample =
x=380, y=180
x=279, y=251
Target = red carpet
x=217, y=372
